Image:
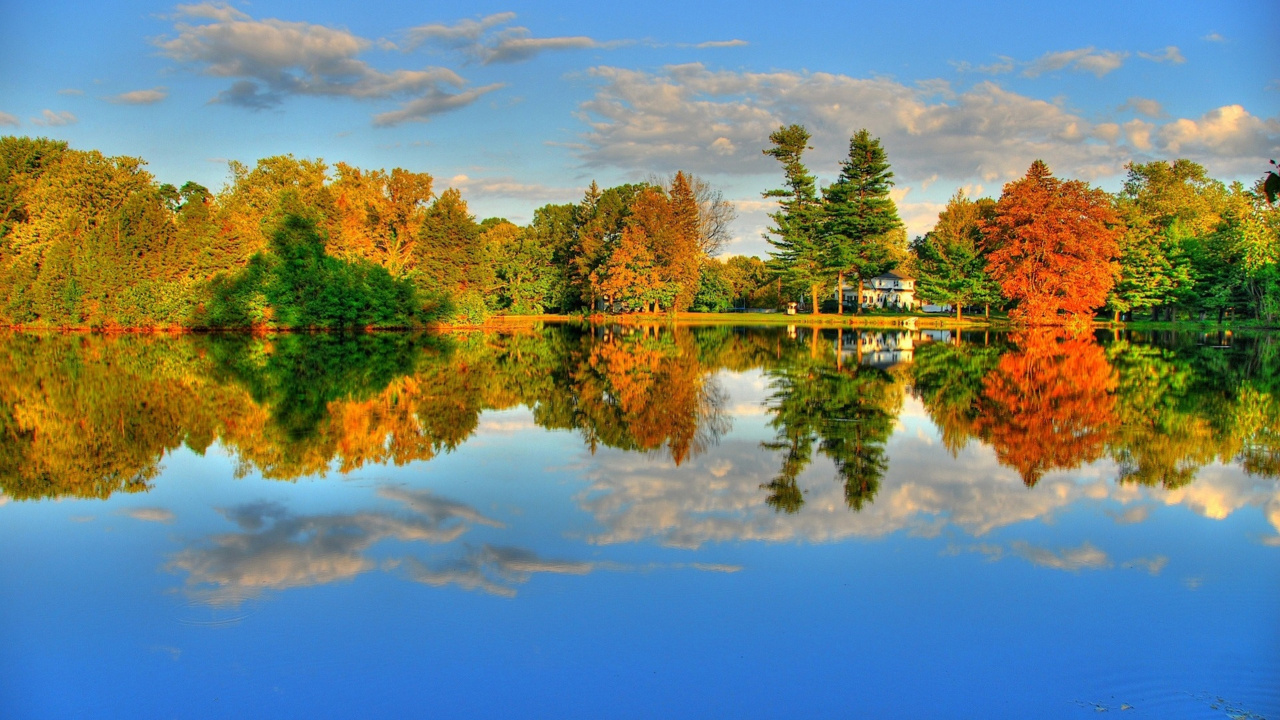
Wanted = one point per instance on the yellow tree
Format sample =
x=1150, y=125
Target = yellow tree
x=379, y=215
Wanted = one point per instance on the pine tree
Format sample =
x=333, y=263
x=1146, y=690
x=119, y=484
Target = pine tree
x=859, y=215
x=798, y=254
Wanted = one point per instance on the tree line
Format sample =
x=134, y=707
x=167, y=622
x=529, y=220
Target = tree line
x=1172, y=242
x=88, y=240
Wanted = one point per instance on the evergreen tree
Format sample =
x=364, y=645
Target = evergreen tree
x=859, y=216
x=799, y=254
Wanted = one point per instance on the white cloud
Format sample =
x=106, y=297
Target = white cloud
x=70, y=91
x=515, y=48
x=717, y=122
x=508, y=187
x=1085, y=557
x=7, y=120
x=482, y=41
x=140, y=97
x=277, y=550
x=274, y=59
x=1144, y=106
x=50, y=118
x=1004, y=64
x=1170, y=54
x=462, y=34
x=1098, y=62
x=1214, y=37
x=492, y=569
x=689, y=117
x=722, y=44
x=1227, y=132
x=433, y=103
x=1138, y=132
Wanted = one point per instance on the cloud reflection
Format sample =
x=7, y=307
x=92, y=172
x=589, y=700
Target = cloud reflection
x=148, y=514
x=277, y=550
x=717, y=497
x=1085, y=557
x=492, y=569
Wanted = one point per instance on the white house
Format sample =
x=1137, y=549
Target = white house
x=891, y=289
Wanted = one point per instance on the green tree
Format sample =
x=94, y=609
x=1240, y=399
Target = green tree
x=859, y=216
x=715, y=292
x=798, y=252
x=951, y=259
x=452, y=259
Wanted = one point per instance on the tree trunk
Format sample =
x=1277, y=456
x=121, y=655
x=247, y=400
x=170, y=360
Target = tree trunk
x=814, y=292
x=840, y=293
x=858, y=303
x=987, y=311
x=1115, y=316
x=958, y=313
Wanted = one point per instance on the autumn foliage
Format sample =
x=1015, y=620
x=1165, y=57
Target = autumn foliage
x=1056, y=242
x=1050, y=404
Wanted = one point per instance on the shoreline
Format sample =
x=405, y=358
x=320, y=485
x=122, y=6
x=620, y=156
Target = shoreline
x=830, y=320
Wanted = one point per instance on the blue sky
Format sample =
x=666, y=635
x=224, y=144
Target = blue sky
x=520, y=104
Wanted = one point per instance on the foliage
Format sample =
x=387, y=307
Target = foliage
x=859, y=217
x=1056, y=243
x=951, y=259
x=298, y=285
x=798, y=251
x=89, y=415
x=715, y=293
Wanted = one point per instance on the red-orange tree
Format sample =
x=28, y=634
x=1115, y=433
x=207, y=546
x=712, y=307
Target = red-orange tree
x=1057, y=241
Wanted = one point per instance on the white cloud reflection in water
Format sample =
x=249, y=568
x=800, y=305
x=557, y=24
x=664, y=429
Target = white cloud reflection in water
x=277, y=550
x=717, y=497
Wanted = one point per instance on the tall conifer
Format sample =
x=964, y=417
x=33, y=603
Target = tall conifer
x=860, y=215
x=798, y=255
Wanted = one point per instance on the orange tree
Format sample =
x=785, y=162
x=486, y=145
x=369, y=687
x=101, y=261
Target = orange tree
x=1057, y=242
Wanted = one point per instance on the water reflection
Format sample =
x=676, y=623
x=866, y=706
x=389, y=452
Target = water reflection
x=277, y=550
x=89, y=416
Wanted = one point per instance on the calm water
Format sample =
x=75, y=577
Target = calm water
x=640, y=523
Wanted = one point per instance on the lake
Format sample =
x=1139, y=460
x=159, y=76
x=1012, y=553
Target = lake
x=640, y=522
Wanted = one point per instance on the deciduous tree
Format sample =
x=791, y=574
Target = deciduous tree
x=1057, y=246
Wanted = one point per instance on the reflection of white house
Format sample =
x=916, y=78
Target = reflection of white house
x=891, y=289
x=882, y=349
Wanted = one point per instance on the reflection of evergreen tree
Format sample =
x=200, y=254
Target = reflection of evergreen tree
x=848, y=412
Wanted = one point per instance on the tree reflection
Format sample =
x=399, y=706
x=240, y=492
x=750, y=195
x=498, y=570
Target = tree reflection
x=91, y=415
x=1049, y=404
x=848, y=412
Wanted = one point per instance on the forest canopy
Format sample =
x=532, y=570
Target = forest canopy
x=93, y=241
x=90, y=241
